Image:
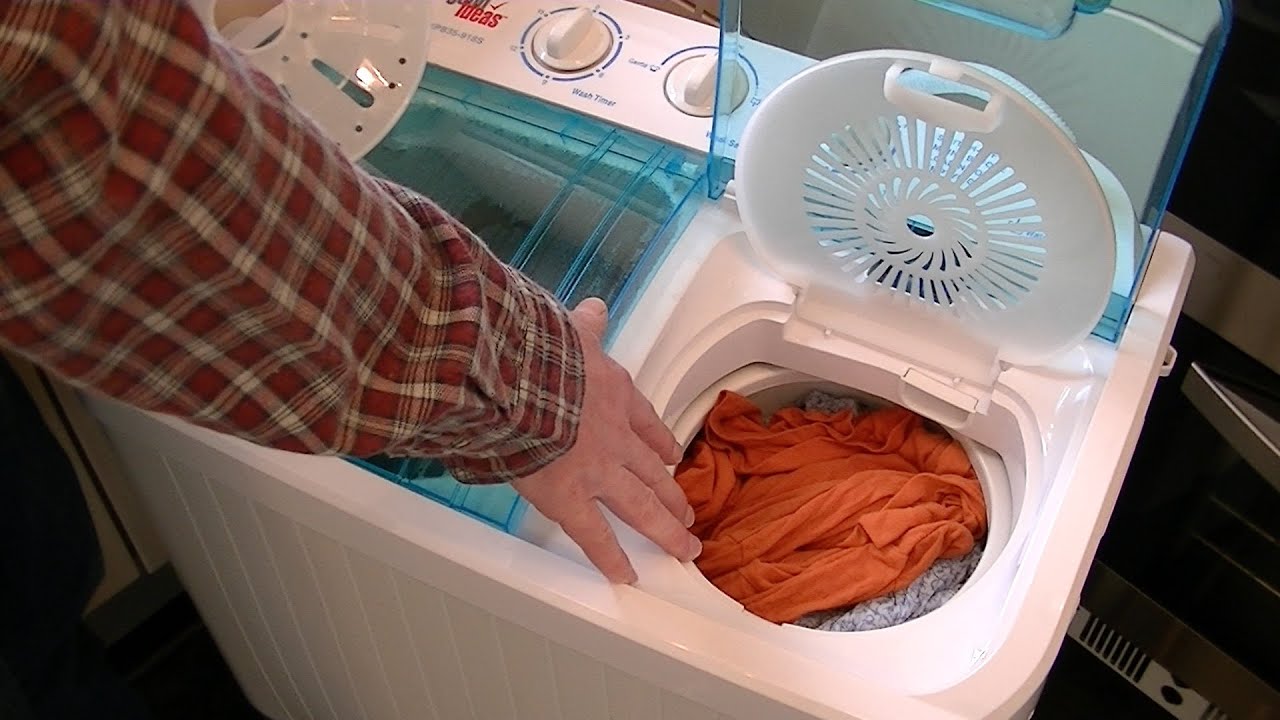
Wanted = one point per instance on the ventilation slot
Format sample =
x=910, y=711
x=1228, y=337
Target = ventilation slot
x=926, y=212
x=1123, y=656
x=349, y=87
x=1140, y=670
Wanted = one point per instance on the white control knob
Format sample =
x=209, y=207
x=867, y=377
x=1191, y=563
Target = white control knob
x=691, y=85
x=572, y=41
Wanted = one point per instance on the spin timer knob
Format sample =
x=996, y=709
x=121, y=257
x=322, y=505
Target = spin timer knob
x=572, y=41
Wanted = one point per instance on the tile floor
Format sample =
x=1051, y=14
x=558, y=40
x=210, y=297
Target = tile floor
x=174, y=663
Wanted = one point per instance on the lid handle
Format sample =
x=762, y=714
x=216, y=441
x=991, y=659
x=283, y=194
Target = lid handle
x=946, y=94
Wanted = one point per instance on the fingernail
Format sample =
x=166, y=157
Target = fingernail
x=689, y=517
x=594, y=305
x=695, y=547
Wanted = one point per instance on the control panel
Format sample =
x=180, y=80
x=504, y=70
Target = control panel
x=623, y=63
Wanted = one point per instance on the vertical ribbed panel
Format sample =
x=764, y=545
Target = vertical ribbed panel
x=314, y=629
x=631, y=699
x=579, y=685
x=529, y=670
x=280, y=641
x=308, y=610
x=433, y=641
x=345, y=615
x=480, y=655
x=208, y=565
x=400, y=660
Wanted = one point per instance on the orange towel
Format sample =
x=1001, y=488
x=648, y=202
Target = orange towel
x=817, y=512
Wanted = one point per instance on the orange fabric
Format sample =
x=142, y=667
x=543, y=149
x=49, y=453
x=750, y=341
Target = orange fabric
x=817, y=512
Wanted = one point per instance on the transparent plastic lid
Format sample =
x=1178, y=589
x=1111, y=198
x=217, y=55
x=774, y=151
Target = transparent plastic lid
x=1128, y=78
x=582, y=208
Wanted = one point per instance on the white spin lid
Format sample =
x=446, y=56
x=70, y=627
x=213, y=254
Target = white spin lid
x=352, y=65
x=981, y=225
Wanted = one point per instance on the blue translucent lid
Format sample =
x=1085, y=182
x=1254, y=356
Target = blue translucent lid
x=582, y=208
x=1127, y=77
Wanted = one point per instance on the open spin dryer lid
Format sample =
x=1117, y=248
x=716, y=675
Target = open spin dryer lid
x=352, y=65
x=967, y=227
x=1128, y=77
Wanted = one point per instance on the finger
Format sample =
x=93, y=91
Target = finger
x=591, y=315
x=588, y=528
x=636, y=505
x=651, y=429
x=651, y=471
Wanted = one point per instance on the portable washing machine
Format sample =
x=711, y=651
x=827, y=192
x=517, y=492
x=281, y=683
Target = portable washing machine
x=953, y=207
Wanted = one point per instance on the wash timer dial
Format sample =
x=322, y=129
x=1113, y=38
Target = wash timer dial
x=571, y=40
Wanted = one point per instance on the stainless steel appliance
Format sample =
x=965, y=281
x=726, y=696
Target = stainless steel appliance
x=1188, y=575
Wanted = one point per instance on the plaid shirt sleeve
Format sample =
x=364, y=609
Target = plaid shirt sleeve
x=176, y=235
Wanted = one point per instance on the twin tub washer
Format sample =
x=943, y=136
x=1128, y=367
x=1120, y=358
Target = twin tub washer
x=334, y=593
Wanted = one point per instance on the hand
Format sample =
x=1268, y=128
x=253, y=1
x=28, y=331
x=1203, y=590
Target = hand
x=619, y=459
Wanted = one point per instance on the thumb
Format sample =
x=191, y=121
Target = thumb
x=592, y=316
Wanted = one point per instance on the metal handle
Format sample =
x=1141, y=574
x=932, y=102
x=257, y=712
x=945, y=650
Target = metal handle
x=1250, y=431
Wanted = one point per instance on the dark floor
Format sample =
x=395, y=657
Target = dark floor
x=173, y=662
x=1080, y=687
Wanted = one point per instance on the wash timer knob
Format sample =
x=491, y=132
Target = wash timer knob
x=571, y=41
x=691, y=85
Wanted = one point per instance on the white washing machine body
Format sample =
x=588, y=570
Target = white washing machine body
x=334, y=593
x=327, y=586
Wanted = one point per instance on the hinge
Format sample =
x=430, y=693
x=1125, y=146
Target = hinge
x=944, y=374
x=950, y=403
x=1170, y=361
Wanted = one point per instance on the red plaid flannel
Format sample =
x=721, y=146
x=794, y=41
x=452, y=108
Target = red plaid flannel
x=177, y=235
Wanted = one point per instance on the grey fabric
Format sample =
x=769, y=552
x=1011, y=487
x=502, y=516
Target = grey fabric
x=929, y=592
x=822, y=402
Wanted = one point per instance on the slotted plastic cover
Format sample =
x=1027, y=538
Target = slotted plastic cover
x=858, y=177
x=352, y=65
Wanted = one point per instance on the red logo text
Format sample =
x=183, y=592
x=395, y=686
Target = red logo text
x=480, y=12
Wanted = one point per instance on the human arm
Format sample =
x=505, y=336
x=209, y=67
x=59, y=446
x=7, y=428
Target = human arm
x=176, y=234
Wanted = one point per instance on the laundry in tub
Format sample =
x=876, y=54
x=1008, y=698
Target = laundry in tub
x=935, y=588
x=809, y=514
